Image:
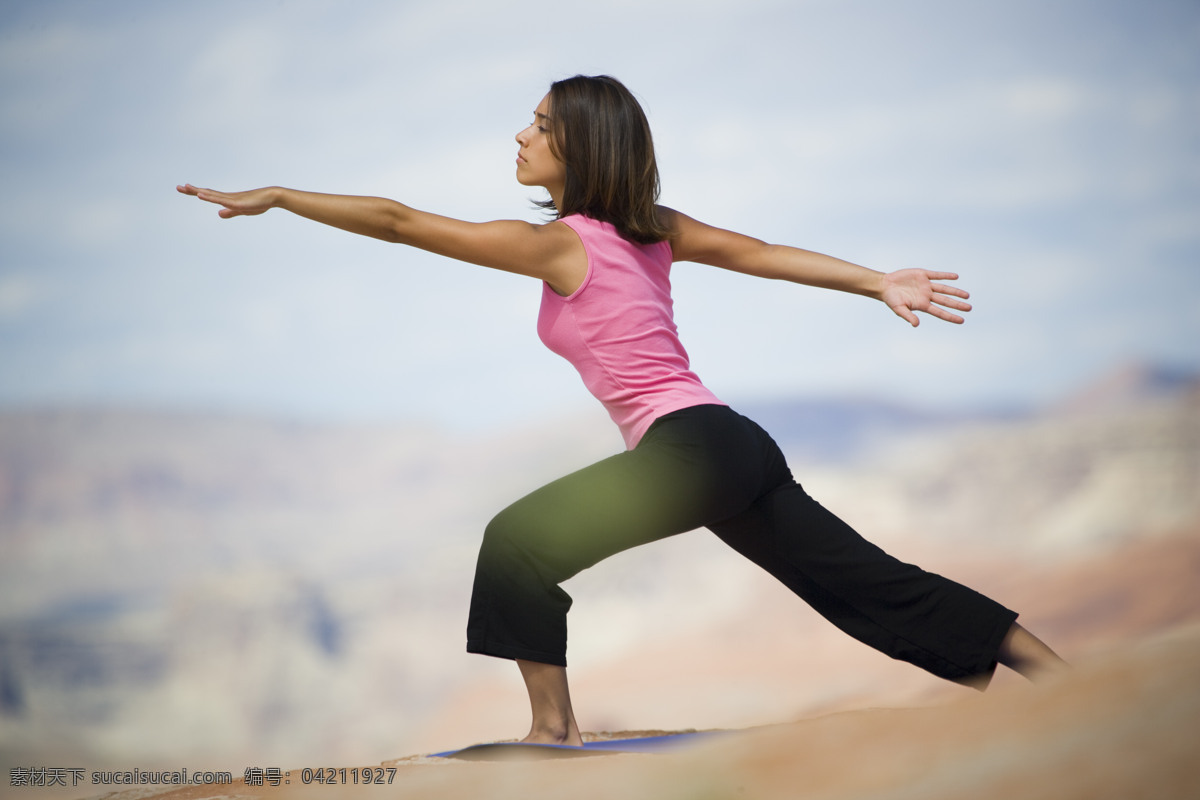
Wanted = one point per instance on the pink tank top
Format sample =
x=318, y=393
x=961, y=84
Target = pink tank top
x=618, y=330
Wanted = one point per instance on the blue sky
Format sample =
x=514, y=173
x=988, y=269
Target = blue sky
x=1047, y=151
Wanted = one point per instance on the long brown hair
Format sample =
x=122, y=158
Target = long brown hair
x=600, y=133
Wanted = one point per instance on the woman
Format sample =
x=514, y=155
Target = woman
x=690, y=460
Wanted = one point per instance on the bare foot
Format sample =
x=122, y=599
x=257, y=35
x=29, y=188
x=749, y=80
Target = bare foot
x=567, y=737
x=1029, y=655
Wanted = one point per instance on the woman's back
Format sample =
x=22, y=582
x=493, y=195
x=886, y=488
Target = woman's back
x=618, y=330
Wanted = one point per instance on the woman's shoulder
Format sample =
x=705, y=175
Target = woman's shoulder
x=601, y=229
x=675, y=222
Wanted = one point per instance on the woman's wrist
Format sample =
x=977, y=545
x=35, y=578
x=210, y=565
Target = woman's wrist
x=876, y=285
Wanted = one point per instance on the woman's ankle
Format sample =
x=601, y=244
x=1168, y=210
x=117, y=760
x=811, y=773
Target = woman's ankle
x=564, y=732
x=550, y=702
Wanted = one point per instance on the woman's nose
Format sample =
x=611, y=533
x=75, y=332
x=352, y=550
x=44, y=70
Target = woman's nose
x=521, y=135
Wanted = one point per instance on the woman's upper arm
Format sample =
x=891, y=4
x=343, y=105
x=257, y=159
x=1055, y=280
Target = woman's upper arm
x=692, y=240
x=551, y=252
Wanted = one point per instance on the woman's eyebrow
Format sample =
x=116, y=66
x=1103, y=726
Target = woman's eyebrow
x=541, y=116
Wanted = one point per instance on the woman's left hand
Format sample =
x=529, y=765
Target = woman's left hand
x=908, y=290
x=236, y=204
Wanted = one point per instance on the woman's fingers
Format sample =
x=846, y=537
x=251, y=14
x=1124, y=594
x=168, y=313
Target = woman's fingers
x=207, y=195
x=943, y=314
x=941, y=288
x=235, y=204
x=905, y=313
x=951, y=302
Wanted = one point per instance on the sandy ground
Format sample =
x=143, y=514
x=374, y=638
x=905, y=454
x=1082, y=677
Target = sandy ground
x=1122, y=725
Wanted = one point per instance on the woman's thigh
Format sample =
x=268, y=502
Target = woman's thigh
x=696, y=467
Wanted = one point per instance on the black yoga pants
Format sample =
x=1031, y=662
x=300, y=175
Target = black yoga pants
x=708, y=466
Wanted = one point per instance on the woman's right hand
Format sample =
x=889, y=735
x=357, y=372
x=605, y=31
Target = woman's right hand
x=236, y=204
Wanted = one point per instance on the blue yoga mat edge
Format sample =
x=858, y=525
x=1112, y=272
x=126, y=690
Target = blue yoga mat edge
x=643, y=744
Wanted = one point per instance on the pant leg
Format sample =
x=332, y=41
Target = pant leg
x=674, y=481
x=899, y=609
x=707, y=466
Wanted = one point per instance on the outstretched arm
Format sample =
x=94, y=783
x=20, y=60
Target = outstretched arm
x=905, y=291
x=552, y=252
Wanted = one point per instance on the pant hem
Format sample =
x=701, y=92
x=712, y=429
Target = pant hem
x=993, y=651
x=512, y=653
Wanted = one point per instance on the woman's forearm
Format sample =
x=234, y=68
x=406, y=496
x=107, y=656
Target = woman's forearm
x=903, y=291
x=695, y=241
x=369, y=216
x=376, y=217
x=816, y=269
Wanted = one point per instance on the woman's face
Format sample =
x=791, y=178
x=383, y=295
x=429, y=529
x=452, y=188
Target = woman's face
x=536, y=164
